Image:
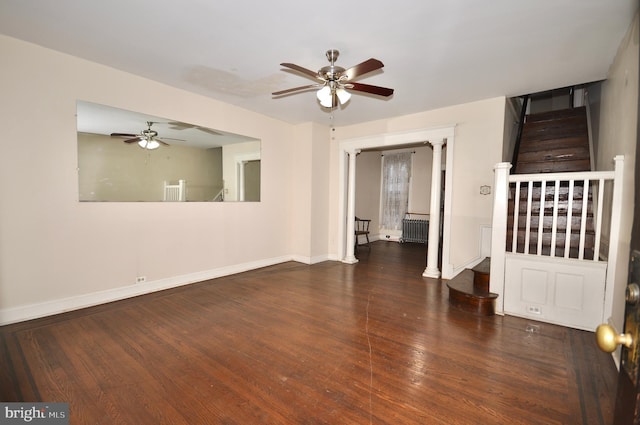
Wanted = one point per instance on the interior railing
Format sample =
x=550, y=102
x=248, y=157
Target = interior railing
x=523, y=114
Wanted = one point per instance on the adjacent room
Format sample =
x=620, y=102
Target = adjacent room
x=278, y=213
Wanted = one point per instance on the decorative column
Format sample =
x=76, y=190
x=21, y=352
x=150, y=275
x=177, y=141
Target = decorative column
x=350, y=257
x=434, y=213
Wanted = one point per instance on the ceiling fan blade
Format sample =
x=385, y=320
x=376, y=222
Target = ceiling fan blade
x=363, y=68
x=210, y=131
x=307, y=72
x=134, y=140
x=176, y=125
x=161, y=142
x=171, y=138
x=367, y=88
x=123, y=135
x=295, y=89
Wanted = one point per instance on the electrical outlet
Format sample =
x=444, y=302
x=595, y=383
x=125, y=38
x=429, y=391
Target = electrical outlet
x=534, y=309
x=141, y=279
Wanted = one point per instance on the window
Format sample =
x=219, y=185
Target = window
x=396, y=172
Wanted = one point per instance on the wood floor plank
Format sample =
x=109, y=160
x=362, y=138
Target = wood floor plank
x=331, y=343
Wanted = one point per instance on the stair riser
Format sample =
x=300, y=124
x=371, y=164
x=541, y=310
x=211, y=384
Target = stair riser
x=564, y=154
x=547, y=223
x=553, y=167
x=574, y=239
x=577, y=142
x=549, y=192
x=576, y=209
x=554, y=115
x=483, y=307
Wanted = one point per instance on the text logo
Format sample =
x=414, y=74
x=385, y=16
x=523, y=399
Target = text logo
x=35, y=413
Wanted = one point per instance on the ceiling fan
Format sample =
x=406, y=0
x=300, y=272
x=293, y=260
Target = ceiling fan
x=334, y=81
x=147, y=139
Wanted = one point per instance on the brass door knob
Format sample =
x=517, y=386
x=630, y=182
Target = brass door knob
x=608, y=339
x=632, y=294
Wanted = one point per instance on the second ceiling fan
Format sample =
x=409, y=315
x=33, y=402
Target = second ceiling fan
x=334, y=81
x=147, y=139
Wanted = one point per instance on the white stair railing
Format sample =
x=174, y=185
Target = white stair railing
x=596, y=180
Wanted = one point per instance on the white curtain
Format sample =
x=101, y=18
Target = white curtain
x=396, y=171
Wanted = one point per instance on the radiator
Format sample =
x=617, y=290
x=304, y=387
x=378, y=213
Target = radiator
x=414, y=230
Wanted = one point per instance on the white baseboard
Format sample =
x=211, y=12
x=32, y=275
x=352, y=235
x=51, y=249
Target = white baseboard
x=62, y=305
x=311, y=260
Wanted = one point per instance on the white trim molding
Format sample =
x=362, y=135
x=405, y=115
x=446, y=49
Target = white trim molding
x=63, y=305
x=346, y=181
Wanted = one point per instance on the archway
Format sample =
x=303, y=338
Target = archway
x=437, y=137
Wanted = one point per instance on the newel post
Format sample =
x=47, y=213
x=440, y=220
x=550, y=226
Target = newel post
x=499, y=232
x=614, y=237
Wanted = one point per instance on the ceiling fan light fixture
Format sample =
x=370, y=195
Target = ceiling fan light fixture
x=325, y=97
x=335, y=80
x=148, y=144
x=343, y=96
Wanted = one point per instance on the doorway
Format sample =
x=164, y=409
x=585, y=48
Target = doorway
x=348, y=149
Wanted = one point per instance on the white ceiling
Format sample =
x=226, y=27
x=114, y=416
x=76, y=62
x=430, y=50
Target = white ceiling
x=102, y=119
x=436, y=52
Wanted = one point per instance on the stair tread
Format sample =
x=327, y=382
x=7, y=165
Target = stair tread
x=463, y=283
x=483, y=267
x=551, y=115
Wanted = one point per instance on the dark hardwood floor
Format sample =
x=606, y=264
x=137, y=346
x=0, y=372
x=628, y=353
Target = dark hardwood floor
x=371, y=343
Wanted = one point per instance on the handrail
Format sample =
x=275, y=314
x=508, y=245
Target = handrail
x=523, y=114
x=503, y=180
x=573, y=175
x=219, y=197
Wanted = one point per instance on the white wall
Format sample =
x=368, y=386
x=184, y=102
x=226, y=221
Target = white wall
x=309, y=176
x=57, y=253
x=617, y=136
x=478, y=147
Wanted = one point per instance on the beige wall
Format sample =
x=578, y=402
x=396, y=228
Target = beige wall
x=617, y=136
x=309, y=209
x=478, y=147
x=368, y=178
x=420, y=192
x=57, y=253
x=110, y=170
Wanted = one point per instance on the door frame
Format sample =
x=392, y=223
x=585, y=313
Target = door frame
x=394, y=140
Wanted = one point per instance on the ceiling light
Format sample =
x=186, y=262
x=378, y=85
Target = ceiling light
x=343, y=96
x=148, y=144
x=325, y=97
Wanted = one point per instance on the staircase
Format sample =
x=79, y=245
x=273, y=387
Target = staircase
x=551, y=142
x=554, y=142
x=469, y=291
